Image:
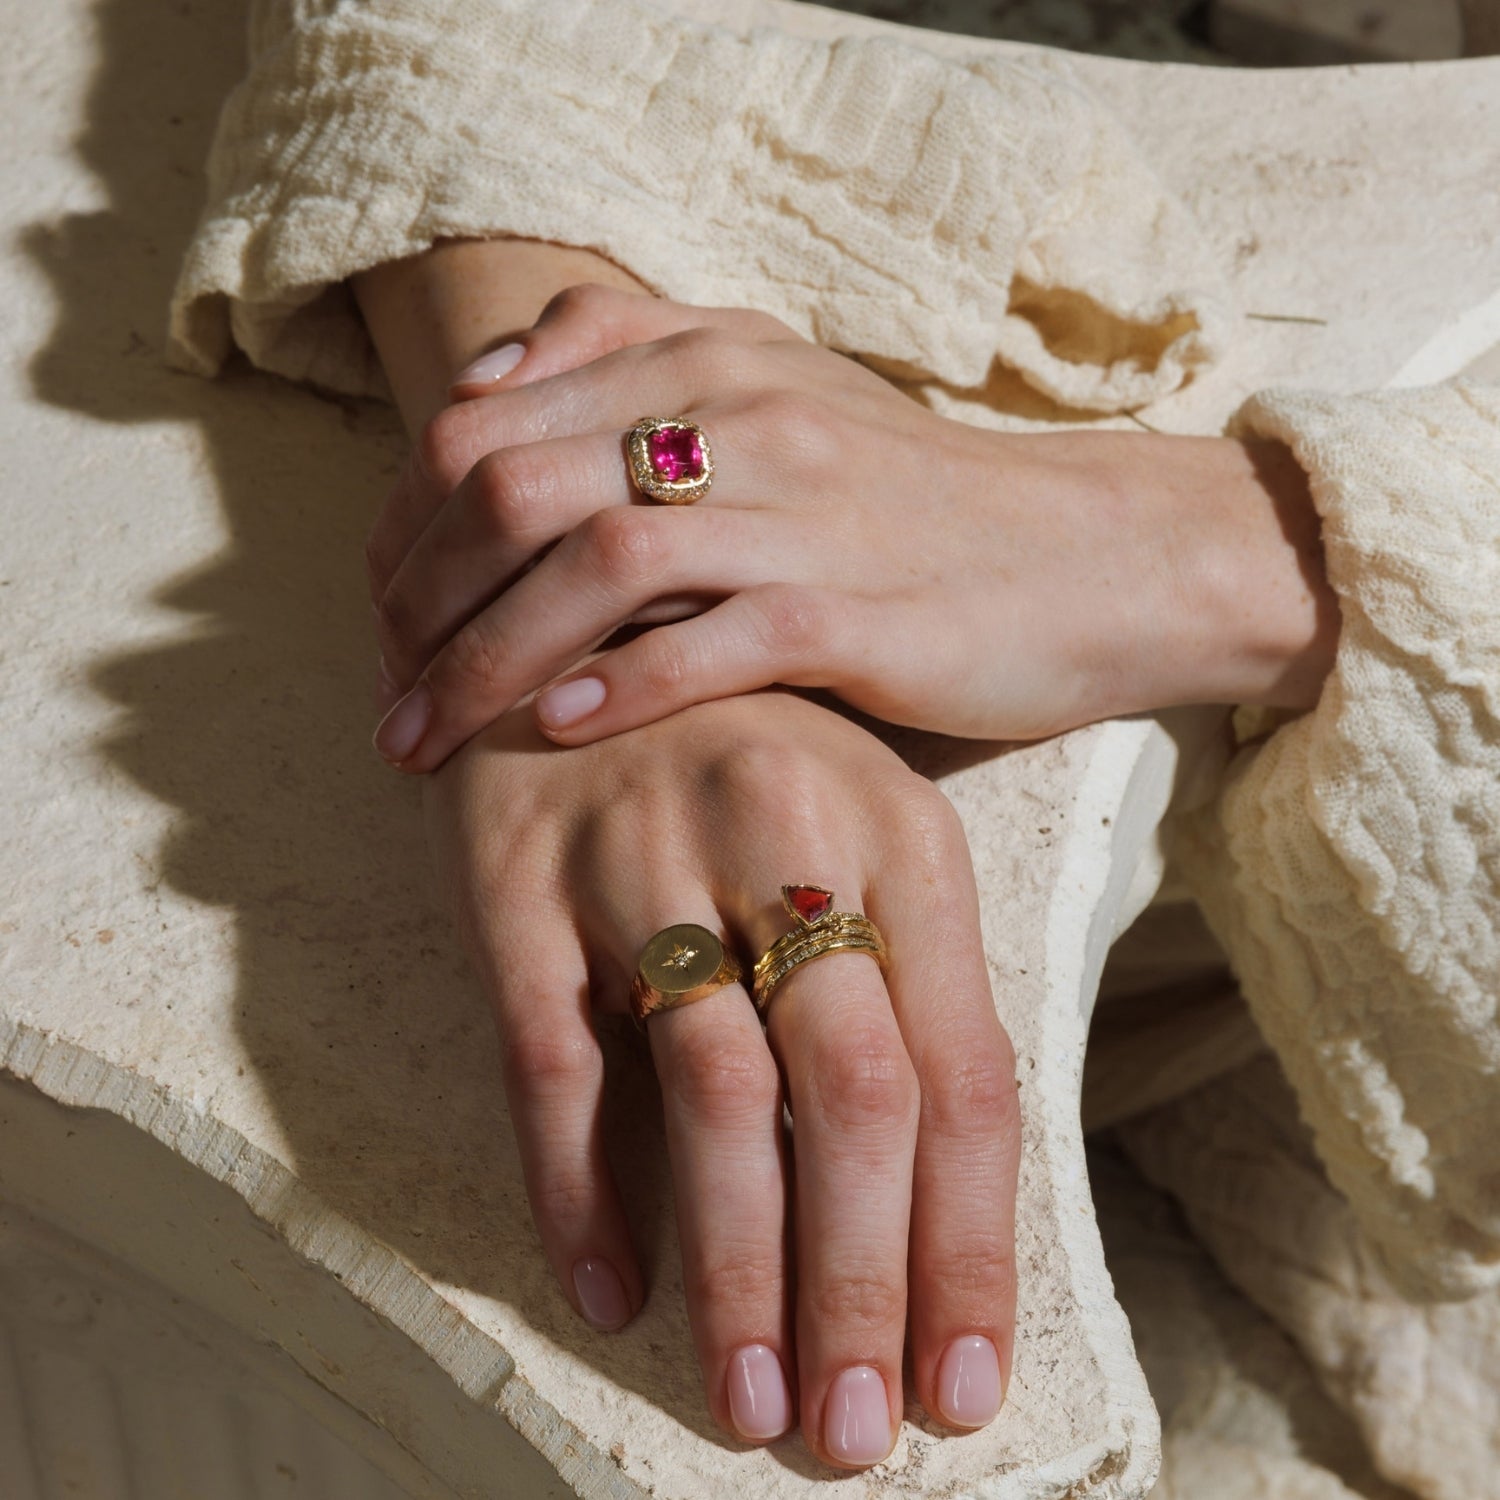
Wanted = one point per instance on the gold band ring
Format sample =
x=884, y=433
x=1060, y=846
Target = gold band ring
x=670, y=459
x=679, y=965
x=819, y=930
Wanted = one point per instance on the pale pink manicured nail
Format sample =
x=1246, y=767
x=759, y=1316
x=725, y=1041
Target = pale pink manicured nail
x=857, y=1417
x=495, y=365
x=968, y=1382
x=759, y=1401
x=601, y=1293
x=387, y=690
x=569, y=702
x=402, y=729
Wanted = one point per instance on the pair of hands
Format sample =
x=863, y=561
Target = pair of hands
x=893, y=1205
x=930, y=573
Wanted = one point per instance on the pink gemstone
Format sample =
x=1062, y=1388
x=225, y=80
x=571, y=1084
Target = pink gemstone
x=809, y=903
x=676, y=453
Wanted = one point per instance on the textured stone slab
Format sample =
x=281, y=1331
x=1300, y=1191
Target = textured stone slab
x=218, y=934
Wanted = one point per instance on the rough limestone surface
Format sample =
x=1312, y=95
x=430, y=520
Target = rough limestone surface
x=245, y=1060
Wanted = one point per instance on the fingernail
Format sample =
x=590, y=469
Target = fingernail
x=569, y=702
x=495, y=365
x=402, y=729
x=968, y=1382
x=601, y=1293
x=857, y=1417
x=387, y=690
x=760, y=1403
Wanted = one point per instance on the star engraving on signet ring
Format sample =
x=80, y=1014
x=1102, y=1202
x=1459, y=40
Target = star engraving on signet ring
x=679, y=965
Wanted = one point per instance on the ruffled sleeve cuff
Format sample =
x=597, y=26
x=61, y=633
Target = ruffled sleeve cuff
x=1350, y=864
x=930, y=215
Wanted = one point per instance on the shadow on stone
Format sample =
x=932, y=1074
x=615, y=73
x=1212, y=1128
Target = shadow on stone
x=353, y=1005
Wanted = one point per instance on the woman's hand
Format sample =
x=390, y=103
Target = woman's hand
x=931, y=573
x=562, y=864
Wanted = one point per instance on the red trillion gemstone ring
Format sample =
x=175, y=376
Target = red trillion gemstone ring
x=817, y=930
x=670, y=459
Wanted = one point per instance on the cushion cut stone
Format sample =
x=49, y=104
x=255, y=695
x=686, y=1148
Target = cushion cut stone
x=675, y=453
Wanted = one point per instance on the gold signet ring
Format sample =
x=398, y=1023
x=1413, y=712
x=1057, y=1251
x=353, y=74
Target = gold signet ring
x=679, y=965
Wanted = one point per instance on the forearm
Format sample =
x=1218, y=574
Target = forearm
x=433, y=314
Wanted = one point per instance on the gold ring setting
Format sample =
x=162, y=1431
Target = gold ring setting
x=818, y=930
x=678, y=965
x=670, y=459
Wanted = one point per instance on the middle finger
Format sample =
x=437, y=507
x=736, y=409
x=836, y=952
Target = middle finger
x=855, y=1108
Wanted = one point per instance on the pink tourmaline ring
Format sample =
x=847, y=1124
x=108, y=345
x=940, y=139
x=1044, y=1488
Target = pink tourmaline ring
x=670, y=459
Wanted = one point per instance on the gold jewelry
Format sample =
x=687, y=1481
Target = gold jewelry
x=679, y=965
x=670, y=459
x=819, y=930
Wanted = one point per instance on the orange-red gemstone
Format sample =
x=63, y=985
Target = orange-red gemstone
x=810, y=904
x=676, y=453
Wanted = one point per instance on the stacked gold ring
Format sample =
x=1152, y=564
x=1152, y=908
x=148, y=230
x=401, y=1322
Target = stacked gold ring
x=819, y=930
x=680, y=964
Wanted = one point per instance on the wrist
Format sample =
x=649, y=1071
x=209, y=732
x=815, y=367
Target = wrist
x=1258, y=622
x=1209, y=585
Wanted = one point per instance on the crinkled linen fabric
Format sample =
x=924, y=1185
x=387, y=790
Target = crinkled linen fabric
x=1349, y=863
x=832, y=183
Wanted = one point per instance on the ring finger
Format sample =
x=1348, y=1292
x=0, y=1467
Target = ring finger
x=721, y=1098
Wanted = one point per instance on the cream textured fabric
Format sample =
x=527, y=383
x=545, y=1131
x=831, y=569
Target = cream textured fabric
x=1351, y=863
x=834, y=184
x=1420, y=1380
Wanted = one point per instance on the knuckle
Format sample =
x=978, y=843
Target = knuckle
x=721, y=1081
x=444, y=446
x=585, y=301
x=975, y=1094
x=927, y=826
x=751, y=1280
x=864, y=1078
x=542, y=1068
x=472, y=659
x=975, y=1267
x=511, y=490
x=627, y=546
x=777, y=779
x=712, y=358
x=666, y=667
x=795, y=620
x=861, y=1301
x=804, y=429
x=563, y=1198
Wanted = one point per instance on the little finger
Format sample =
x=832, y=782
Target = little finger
x=962, y=1268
